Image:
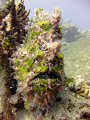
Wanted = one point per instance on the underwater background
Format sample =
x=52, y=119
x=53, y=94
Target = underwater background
x=76, y=28
x=75, y=47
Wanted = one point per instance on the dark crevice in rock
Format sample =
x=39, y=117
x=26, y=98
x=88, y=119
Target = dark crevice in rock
x=86, y=115
x=50, y=75
x=13, y=83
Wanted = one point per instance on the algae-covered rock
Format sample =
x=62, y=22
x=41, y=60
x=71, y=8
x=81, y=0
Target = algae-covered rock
x=8, y=43
x=38, y=63
x=81, y=88
x=12, y=28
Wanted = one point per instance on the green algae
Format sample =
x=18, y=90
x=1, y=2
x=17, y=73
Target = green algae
x=39, y=54
x=60, y=55
x=41, y=68
x=56, y=69
x=34, y=34
x=43, y=84
x=25, y=68
x=17, y=62
x=59, y=29
x=32, y=46
x=46, y=25
x=45, y=81
x=69, y=80
x=58, y=63
x=38, y=11
x=27, y=104
x=8, y=42
x=37, y=88
x=29, y=62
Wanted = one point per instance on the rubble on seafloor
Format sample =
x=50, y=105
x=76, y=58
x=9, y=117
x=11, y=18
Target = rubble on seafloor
x=68, y=106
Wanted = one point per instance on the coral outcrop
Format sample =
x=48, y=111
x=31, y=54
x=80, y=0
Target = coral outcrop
x=81, y=88
x=5, y=8
x=72, y=33
x=38, y=63
x=13, y=30
x=12, y=33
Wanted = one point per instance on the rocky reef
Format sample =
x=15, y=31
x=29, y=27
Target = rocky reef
x=38, y=63
x=81, y=88
x=13, y=30
x=12, y=33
